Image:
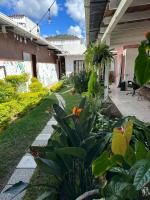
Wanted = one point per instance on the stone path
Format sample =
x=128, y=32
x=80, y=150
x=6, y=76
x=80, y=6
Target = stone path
x=26, y=167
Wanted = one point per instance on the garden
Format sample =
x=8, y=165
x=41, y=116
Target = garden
x=93, y=153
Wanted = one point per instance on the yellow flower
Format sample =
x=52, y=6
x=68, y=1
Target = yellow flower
x=76, y=111
x=121, y=138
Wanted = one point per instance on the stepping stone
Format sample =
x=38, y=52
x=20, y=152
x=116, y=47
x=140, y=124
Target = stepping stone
x=43, y=137
x=27, y=162
x=21, y=175
x=7, y=196
x=48, y=130
x=40, y=143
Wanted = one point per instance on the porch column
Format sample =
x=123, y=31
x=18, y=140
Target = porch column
x=106, y=81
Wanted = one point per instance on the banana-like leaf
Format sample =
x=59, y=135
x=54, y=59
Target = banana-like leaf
x=51, y=194
x=82, y=103
x=77, y=152
x=59, y=111
x=142, y=176
x=17, y=188
x=49, y=166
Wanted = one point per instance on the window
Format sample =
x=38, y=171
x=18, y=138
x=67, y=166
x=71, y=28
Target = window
x=78, y=66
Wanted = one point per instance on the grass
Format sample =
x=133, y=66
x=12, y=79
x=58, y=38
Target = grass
x=16, y=139
x=33, y=193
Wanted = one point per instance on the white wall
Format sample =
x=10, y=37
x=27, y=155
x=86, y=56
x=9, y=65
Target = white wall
x=69, y=62
x=47, y=73
x=131, y=55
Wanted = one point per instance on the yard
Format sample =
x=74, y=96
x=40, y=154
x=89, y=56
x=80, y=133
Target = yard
x=92, y=153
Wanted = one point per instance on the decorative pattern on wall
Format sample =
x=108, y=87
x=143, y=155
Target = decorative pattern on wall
x=47, y=73
x=15, y=67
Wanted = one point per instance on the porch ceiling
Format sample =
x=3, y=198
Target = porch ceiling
x=96, y=10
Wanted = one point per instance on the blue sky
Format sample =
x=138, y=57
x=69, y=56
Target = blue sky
x=67, y=15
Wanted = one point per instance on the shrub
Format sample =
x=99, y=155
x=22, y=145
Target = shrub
x=7, y=92
x=36, y=86
x=20, y=105
x=57, y=86
x=80, y=81
x=17, y=80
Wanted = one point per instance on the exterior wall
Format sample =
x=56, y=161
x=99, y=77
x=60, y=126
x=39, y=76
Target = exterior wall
x=69, y=62
x=47, y=73
x=16, y=57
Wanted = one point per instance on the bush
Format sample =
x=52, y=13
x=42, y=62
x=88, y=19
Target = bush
x=36, y=86
x=17, y=80
x=20, y=105
x=80, y=81
x=57, y=86
x=7, y=92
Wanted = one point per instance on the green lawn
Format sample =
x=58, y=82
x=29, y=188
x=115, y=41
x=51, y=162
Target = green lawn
x=16, y=139
x=37, y=178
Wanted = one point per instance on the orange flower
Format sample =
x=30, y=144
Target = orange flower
x=76, y=111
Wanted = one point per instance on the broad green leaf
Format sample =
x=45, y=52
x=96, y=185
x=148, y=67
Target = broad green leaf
x=17, y=188
x=49, y=166
x=101, y=165
x=82, y=103
x=72, y=151
x=140, y=151
x=130, y=156
x=142, y=176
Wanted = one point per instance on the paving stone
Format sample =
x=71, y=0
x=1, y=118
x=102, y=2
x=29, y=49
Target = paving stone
x=52, y=122
x=27, y=162
x=21, y=175
x=7, y=196
x=40, y=143
x=47, y=130
x=43, y=137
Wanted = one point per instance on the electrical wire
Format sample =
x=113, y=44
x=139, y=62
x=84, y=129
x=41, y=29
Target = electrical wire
x=41, y=19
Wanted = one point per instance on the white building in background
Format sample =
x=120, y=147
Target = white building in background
x=71, y=60
x=26, y=23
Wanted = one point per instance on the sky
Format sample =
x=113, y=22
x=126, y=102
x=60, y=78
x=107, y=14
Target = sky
x=67, y=15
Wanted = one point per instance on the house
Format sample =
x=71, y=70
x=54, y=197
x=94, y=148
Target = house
x=71, y=60
x=121, y=24
x=22, y=49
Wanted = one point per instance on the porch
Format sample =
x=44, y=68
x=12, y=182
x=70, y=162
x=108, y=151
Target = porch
x=130, y=105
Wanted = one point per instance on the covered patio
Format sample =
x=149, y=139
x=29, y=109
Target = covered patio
x=130, y=105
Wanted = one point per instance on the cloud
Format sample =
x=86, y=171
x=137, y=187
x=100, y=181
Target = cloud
x=57, y=32
x=31, y=8
x=75, y=30
x=75, y=9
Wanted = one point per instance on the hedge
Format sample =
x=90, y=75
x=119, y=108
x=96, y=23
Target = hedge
x=57, y=86
x=19, y=106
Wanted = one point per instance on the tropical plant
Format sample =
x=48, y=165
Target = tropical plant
x=69, y=155
x=7, y=92
x=89, y=54
x=17, y=80
x=57, y=86
x=126, y=169
x=80, y=81
x=142, y=62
